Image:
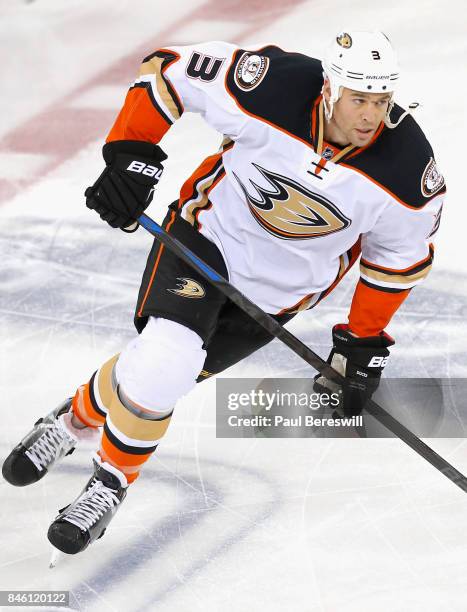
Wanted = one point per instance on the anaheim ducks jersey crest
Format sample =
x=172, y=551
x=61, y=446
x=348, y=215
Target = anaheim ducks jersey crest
x=287, y=209
x=290, y=211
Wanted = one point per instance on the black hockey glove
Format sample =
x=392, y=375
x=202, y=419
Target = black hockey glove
x=125, y=188
x=361, y=361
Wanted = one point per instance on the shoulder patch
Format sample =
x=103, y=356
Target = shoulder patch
x=250, y=70
x=277, y=87
x=432, y=179
x=401, y=160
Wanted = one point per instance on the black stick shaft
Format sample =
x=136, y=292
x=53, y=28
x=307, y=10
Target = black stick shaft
x=301, y=349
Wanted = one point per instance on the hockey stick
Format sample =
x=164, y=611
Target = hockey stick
x=303, y=351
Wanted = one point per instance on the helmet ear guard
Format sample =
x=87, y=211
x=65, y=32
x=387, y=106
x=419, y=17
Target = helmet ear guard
x=361, y=61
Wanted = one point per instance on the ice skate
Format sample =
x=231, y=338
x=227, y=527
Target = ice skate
x=86, y=519
x=52, y=438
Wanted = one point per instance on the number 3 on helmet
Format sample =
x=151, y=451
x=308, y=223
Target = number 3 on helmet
x=362, y=61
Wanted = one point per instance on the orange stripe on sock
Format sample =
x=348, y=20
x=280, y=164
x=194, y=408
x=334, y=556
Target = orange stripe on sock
x=82, y=407
x=127, y=463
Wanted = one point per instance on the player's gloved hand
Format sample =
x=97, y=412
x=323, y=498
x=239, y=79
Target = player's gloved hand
x=361, y=361
x=126, y=186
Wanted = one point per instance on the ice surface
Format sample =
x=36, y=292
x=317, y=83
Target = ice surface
x=299, y=525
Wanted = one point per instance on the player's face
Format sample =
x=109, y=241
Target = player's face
x=356, y=117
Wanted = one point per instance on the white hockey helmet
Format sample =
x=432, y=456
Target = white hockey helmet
x=362, y=61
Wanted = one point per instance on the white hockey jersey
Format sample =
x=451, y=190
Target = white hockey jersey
x=288, y=211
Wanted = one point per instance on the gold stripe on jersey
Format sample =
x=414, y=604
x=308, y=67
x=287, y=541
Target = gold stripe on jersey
x=393, y=279
x=310, y=300
x=342, y=154
x=153, y=67
x=397, y=278
x=203, y=189
x=202, y=181
x=343, y=263
x=225, y=144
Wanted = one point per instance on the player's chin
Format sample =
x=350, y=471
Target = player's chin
x=361, y=138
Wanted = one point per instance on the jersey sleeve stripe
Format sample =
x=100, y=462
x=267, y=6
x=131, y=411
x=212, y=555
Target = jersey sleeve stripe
x=151, y=105
x=381, y=288
x=389, y=278
x=409, y=270
x=170, y=58
x=394, y=281
x=152, y=72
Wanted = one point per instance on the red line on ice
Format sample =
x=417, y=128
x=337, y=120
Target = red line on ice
x=60, y=131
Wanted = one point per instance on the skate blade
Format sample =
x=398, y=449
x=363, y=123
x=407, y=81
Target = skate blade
x=55, y=557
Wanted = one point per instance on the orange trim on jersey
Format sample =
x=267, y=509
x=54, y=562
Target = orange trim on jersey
x=353, y=254
x=303, y=304
x=188, y=188
x=355, y=251
x=393, y=195
x=138, y=119
x=204, y=170
x=314, y=115
x=151, y=280
x=374, y=138
x=321, y=164
x=371, y=310
x=321, y=126
x=208, y=191
x=419, y=263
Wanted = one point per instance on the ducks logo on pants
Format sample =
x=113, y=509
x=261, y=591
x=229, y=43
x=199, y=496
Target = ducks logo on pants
x=189, y=288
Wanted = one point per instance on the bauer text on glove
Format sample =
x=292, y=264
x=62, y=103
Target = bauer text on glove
x=126, y=186
x=361, y=361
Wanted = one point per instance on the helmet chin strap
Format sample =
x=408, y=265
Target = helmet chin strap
x=335, y=95
x=328, y=109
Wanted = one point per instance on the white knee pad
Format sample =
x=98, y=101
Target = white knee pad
x=161, y=365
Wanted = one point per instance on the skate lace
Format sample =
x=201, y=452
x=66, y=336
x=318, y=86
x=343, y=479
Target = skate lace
x=48, y=446
x=92, y=505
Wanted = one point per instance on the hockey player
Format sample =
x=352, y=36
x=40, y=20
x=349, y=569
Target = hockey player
x=318, y=166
